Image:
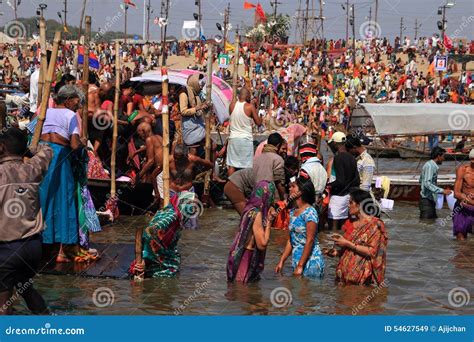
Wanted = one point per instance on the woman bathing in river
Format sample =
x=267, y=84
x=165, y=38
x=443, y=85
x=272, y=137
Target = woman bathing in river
x=364, y=244
x=247, y=254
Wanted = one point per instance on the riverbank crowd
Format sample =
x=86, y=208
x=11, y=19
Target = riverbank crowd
x=298, y=97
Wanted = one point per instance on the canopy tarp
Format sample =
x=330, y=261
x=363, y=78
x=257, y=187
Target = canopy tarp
x=414, y=118
x=221, y=91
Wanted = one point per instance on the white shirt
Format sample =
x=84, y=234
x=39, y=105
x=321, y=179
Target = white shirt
x=317, y=173
x=34, y=79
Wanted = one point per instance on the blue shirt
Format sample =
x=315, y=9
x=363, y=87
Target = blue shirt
x=429, y=180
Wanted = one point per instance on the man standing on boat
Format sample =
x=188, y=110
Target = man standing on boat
x=463, y=213
x=429, y=188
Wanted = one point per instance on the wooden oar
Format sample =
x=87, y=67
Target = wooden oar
x=85, y=78
x=46, y=91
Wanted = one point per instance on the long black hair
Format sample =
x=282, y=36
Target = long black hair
x=306, y=187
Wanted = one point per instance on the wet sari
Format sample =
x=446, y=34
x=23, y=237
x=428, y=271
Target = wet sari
x=244, y=264
x=356, y=269
x=161, y=237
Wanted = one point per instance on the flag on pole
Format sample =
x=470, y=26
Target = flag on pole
x=248, y=5
x=129, y=3
x=93, y=59
x=229, y=47
x=448, y=43
x=260, y=12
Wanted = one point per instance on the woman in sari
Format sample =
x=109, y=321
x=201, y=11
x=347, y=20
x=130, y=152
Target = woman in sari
x=363, y=246
x=247, y=254
x=161, y=257
x=303, y=245
x=61, y=192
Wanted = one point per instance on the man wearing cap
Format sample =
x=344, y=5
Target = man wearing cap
x=463, y=213
x=313, y=168
x=343, y=175
x=429, y=188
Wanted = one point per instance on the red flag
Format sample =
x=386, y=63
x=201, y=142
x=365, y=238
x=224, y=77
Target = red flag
x=260, y=12
x=248, y=5
x=448, y=43
x=130, y=3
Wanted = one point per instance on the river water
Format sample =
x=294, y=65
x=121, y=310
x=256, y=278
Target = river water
x=424, y=264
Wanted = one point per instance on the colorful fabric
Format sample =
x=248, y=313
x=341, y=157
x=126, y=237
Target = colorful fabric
x=356, y=269
x=259, y=202
x=463, y=219
x=57, y=197
x=314, y=266
x=160, y=239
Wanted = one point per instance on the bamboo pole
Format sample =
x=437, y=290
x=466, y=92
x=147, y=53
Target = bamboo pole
x=85, y=78
x=207, y=179
x=43, y=61
x=115, y=126
x=166, y=137
x=235, y=74
x=46, y=91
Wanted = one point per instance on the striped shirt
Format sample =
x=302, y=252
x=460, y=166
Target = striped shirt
x=366, y=168
x=428, y=181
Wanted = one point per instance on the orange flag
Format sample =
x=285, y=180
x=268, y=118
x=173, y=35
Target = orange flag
x=260, y=12
x=431, y=69
x=248, y=5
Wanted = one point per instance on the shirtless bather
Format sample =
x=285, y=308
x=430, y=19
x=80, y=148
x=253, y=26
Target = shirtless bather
x=463, y=213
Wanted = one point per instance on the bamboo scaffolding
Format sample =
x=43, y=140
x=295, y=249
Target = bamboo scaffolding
x=85, y=78
x=235, y=74
x=207, y=179
x=46, y=91
x=113, y=157
x=43, y=61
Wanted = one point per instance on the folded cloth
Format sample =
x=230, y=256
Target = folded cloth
x=338, y=207
x=240, y=153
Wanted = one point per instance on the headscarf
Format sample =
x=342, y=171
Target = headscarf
x=193, y=89
x=261, y=200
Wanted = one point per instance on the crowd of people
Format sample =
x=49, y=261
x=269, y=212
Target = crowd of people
x=305, y=93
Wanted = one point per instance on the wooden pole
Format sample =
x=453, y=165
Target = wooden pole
x=235, y=75
x=207, y=179
x=46, y=91
x=85, y=78
x=115, y=125
x=43, y=61
x=166, y=137
x=76, y=53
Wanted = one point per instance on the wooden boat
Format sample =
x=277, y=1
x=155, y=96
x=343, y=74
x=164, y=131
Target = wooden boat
x=131, y=200
x=407, y=187
x=382, y=152
x=407, y=152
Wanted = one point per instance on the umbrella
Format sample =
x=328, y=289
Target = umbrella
x=221, y=90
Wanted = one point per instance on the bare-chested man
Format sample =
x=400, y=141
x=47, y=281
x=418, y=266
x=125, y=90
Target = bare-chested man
x=463, y=213
x=154, y=153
